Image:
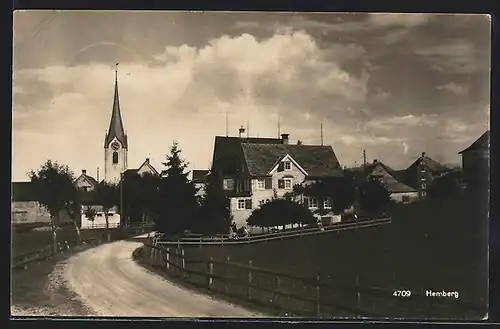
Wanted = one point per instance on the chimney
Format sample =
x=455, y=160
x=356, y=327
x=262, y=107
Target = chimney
x=241, y=131
x=284, y=138
x=423, y=154
x=375, y=161
x=147, y=160
x=97, y=174
x=84, y=172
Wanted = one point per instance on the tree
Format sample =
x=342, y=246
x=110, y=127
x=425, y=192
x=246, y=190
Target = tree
x=374, y=195
x=215, y=207
x=54, y=190
x=341, y=191
x=444, y=186
x=279, y=211
x=149, y=185
x=107, y=197
x=90, y=213
x=178, y=207
x=130, y=194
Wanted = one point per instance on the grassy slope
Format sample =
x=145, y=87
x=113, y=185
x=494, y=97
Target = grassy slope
x=434, y=245
x=24, y=242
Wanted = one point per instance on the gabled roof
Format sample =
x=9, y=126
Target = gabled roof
x=317, y=161
x=147, y=164
x=429, y=163
x=482, y=142
x=91, y=180
x=199, y=176
x=385, y=173
x=23, y=191
x=116, y=129
x=228, y=155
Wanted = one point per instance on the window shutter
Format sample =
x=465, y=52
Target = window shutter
x=281, y=183
x=248, y=204
x=281, y=166
x=268, y=183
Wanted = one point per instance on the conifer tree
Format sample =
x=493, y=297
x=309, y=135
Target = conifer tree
x=177, y=206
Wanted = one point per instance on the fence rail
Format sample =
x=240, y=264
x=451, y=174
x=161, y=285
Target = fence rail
x=223, y=240
x=321, y=297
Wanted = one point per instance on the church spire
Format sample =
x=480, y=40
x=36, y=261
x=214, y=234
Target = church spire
x=116, y=123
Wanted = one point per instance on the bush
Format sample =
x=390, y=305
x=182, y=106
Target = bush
x=280, y=212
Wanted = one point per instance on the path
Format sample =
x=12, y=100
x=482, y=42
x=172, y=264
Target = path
x=111, y=283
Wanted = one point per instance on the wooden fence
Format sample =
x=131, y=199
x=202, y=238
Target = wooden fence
x=22, y=261
x=298, y=295
x=224, y=239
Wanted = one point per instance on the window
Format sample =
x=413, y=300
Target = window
x=288, y=183
x=423, y=186
x=115, y=157
x=228, y=184
x=288, y=165
x=85, y=188
x=261, y=184
x=310, y=202
x=327, y=203
x=244, y=204
x=422, y=170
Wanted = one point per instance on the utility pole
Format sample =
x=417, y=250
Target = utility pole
x=227, y=125
x=321, y=133
x=364, y=159
x=279, y=128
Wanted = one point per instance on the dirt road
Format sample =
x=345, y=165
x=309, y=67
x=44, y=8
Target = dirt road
x=108, y=281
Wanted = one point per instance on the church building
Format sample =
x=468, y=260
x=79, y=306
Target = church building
x=115, y=143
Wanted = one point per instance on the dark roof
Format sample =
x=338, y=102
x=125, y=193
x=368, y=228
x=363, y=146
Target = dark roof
x=148, y=164
x=90, y=179
x=482, y=142
x=23, y=191
x=228, y=153
x=130, y=171
x=388, y=176
x=116, y=124
x=317, y=161
x=429, y=163
x=199, y=175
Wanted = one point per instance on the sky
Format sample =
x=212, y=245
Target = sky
x=395, y=85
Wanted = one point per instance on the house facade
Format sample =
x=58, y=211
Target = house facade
x=199, y=178
x=257, y=170
x=475, y=159
x=25, y=208
x=421, y=173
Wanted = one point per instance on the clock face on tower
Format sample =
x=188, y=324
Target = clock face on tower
x=115, y=145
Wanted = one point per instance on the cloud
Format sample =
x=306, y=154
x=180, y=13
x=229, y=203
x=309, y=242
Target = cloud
x=184, y=96
x=399, y=20
x=407, y=121
x=453, y=88
x=455, y=56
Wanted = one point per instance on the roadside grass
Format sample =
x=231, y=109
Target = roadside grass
x=436, y=244
x=28, y=241
x=38, y=288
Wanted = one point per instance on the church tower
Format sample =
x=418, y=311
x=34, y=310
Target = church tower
x=115, y=143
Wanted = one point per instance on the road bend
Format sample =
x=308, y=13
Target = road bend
x=111, y=283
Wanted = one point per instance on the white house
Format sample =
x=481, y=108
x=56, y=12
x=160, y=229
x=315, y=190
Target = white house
x=256, y=169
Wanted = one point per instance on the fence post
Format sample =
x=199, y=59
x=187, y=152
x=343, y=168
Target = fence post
x=278, y=285
x=318, y=303
x=249, y=288
x=201, y=242
x=358, y=293
x=183, y=260
x=228, y=259
x=168, y=259
x=210, y=270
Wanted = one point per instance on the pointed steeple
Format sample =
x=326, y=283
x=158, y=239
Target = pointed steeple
x=116, y=123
